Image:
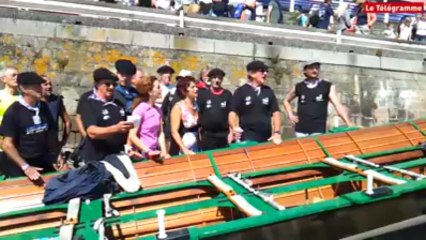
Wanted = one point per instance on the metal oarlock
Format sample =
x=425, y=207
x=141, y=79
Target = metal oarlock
x=161, y=224
x=109, y=211
x=100, y=228
x=247, y=184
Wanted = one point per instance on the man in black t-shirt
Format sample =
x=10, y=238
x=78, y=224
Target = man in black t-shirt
x=254, y=104
x=313, y=95
x=30, y=138
x=214, y=105
x=104, y=119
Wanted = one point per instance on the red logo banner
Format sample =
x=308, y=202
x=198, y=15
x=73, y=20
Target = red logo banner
x=394, y=7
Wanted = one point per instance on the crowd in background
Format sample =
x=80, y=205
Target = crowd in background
x=321, y=15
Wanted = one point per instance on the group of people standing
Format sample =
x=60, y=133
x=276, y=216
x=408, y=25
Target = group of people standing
x=149, y=117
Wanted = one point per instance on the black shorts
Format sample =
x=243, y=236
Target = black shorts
x=209, y=142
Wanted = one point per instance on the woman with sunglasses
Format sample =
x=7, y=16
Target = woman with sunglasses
x=148, y=137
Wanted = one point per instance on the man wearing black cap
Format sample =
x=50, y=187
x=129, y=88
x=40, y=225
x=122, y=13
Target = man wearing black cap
x=214, y=105
x=125, y=92
x=104, y=119
x=30, y=139
x=165, y=74
x=313, y=95
x=254, y=103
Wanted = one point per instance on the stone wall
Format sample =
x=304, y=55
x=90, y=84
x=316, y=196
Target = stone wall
x=389, y=82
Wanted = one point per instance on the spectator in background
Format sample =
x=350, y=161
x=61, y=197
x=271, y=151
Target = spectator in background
x=405, y=30
x=204, y=82
x=162, y=4
x=325, y=12
x=343, y=17
x=165, y=75
x=420, y=26
x=57, y=109
x=302, y=19
x=220, y=8
x=10, y=93
x=274, y=13
x=140, y=73
x=125, y=92
x=389, y=32
x=249, y=11
x=184, y=119
x=205, y=6
x=364, y=21
x=148, y=137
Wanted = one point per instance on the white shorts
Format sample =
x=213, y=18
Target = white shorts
x=300, y=135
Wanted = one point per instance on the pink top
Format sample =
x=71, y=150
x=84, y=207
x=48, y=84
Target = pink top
x=149, y=130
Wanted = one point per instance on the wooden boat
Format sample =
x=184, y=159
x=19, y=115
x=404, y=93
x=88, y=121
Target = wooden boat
x=240, y=191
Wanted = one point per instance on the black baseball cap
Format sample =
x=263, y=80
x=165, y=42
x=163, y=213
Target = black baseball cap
x=165, y=69
x=126, y=67
x=29, y=78
x=216, y=72
x=256, y=66
x=104, y=74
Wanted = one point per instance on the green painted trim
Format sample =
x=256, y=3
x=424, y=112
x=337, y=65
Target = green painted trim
x=323, y=148
x=346, y=200
x=388, y=152
x=213, y=163
x=411, y=122
x=59, y=207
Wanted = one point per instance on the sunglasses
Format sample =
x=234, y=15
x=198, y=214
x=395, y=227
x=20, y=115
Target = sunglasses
x=109, y=84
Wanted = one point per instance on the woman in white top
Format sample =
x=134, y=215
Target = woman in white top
x=184, y=119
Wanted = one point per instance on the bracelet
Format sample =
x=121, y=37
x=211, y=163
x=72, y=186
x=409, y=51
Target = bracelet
x=25, y=167
x=277, y=132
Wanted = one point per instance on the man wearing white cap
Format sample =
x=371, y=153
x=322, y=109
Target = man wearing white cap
x=313, y=95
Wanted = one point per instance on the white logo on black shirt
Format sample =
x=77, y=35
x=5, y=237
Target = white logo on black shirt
x=302, y=99
x=265, y=101
x=223, y=104
x=37, y=128
x=122, y=112
x=248, y=100
x=209, y=103
x=105, y=112
x=319, y=98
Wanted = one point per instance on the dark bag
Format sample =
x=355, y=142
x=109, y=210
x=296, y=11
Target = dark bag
x=89, y=182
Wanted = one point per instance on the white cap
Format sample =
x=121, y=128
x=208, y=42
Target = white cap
x=185, y=73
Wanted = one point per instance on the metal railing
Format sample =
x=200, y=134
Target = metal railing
x=106, y=11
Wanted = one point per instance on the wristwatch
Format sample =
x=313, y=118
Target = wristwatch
x=25, y=167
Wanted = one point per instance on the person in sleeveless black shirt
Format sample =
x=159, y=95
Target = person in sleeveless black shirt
x=214, y=105
x=104, y=119
x=57, y=109
x=252, y=107
x=30, y=138
x=364, y=21
x=313, y=96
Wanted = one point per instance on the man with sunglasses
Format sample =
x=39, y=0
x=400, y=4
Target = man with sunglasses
x=253, y=104
x=30, y=138
x=214, y=105
x=104, y=119
x=313, y=95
